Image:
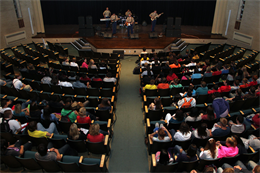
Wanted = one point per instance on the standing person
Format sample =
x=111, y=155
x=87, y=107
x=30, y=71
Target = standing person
x=128, y=12
x=107, y=14
x=154, y=17
x=129, y=23
x=114, y=20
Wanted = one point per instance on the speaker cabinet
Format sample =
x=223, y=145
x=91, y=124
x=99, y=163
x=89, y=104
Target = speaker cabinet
x=82, y=32
x=81, y=21
x=89, y=22
x=134, y=36
x=177, y=23
x=169, y=33
x=153, y=35
x=170, y=22
x=90, y=32
x=176, y=33
x=107, y=35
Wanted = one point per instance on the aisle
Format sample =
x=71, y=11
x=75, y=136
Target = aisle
x=128, y=148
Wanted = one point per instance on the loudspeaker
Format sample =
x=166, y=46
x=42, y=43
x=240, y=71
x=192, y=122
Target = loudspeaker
x=81, y=21
x=134, y=36
x=82, y=32
x=176, y=33
x=177, y=23
x=89, y=22
x=170, y=22
x=153, y=35
x=169, y=33
x=107, y=35
x=89, y=32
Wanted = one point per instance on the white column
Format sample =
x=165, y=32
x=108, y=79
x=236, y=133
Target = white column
x=37, y=13
x=219, y=17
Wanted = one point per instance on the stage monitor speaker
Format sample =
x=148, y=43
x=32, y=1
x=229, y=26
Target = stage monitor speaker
x=134, y=36
x=169, y=33
x=176, y=33
x=89, y=22
x=120, y=52
x=81, y=21
x=107, y=35
x=153, y=35
x=82, y=32
x=170, y=22
x=177, y=23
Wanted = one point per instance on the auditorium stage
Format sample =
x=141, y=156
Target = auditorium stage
x=69, y=33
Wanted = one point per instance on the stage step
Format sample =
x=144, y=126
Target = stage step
x=178, y=45
x=80, y=46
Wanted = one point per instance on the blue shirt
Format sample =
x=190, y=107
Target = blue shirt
x=221, y=132
x=176, y=121
x=225, y=71
x=196, y=76
x=193, y=93
x=202, y=90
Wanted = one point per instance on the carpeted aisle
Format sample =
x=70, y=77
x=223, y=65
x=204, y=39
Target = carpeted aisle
x=128, y=148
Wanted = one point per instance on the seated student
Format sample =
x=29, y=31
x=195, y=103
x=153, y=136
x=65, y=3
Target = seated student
x=195, y=56
x=210, y=151
x=46, y=79
x=16, y=149
x=34, y=109
x=183, y=134
x=171, y=76
x=208, y=72
x=78, y=84
x=256, y=120
x=144, y=51
x=231, y=75
x=192, y=63
x=178, y=117
x=157, y=105
x=163, y=157
x=236, y=97
x=47, y=115
x=188, y=156
x=96, y=78
x=201, y=132
x=250, y=94
x=144, y=60
x=13, y=126
x=53, y=154
x=109, y=78
x=175, y=84
x=161, y=135
x=225, y=69
x=91, y=64
x=103, y=65
x=147, y=71
x=193, y=115
x=217, y=72
x=75, y=133
x=254, y=81
x=239, y=167
x=94, y=134
x=6, y=105
x=221, y=128
x=73, y=63
x=67, y=114
x=225, y=87
x=215, y=89
x=66, y=62
x=156, y=66
x=18, y=111
x=163, y=85
x=84, y=64
x=150, y=86
x=82, y=117
x=239, y=127
x=37, y=130
x=252, y=141
x=188, y=101
x=257, y=91
x=230, y=150
x=17, y=83
x=244, y=83
x=220, y=106
x=105, y=104
x=190, y=89
x=235, y=85
x=210, y=115
x=203, y=89
x=176, y=64
x=196, y=74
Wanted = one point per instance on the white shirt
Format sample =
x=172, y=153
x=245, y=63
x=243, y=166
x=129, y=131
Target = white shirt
x=166, y=139
x=111, y=79
x=191, y=64
x=145, y=73
x=2, y=110
x=144, y=61
x=17, y=84
x=193, y=102
x=65, y=84
x=206, y=154
x=180, y=137
x=73, y=64
x=13, y=124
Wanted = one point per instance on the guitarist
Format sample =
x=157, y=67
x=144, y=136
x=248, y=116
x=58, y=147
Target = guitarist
x=154, y=17
x=129, y=23
x=114, y=20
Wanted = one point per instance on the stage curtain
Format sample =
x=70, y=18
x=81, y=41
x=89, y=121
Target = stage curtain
x=192, y=12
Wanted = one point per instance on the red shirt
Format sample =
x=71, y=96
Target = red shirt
x=172, y=77
x=257, y=93
x=85, y=79
x=83, y=120
x=256, y=120
x=97, y=79
x=244, y=86
x=224, y=88
x=96, y=138
x=253, y=83
x=163, y=86
x=215, y=73
x=213, y=91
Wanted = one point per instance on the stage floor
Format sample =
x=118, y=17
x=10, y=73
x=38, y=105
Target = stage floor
x=120, y=40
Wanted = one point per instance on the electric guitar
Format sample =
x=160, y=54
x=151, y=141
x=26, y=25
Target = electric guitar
x=154, y=18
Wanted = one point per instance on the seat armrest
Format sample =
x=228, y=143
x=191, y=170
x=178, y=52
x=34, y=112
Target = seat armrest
x=146, y=109
x=150, y=141
x=102, y=161
x=148, y=122
x=106, y=140
x=80, y=159
x=153, y=160
x=109, y=123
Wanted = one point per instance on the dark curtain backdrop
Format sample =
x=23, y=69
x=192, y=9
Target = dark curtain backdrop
x=192, y=12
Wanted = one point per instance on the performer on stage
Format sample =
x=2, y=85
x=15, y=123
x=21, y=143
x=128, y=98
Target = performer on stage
x=114, y=20
x=107, y=14
x=128, y=12
x=129, y=23
x=154, y=17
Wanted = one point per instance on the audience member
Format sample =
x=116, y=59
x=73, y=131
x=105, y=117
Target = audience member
x=18, y=111
x=187, y=102
x=161, y=135
x=8, y=124
x=177, y=118
x=163, y=85
x=91, y=64
x=193, y=115
x=94, y=135
x=250, y=94
x=150, y=86
x=157, y=105
x=37, y=130
x=221, y=128
x=109, y=78
x=220, y=106
x=84, y=64
x=105, y=104
x=237, y=127
x=210, y=115
x=230, y=150
x=73, y=63
x=75, y=133
x=175, y=84
x=203, y=89
x=16, y=149
x=17, y=83
x=215, y=89
x=82, y=117
x=171, y=76
x=201, y=132
x=183, y=134
x=210, y=151
x=78, y=84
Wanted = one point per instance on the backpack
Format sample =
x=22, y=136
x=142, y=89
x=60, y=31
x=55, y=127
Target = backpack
x=5, y=127
x=186, y=104
x=66, y=117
